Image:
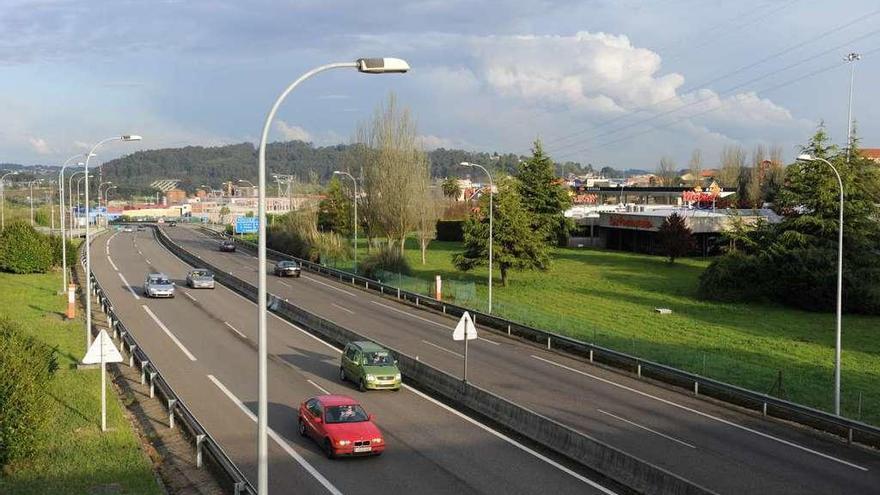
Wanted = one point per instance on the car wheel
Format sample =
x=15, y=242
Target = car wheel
x=328, y=449
x=302, y=428
x=341, y=374
x=362, y=385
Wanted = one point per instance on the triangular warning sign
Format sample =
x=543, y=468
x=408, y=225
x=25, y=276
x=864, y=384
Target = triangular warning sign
x=103, y=344
x=464, y=328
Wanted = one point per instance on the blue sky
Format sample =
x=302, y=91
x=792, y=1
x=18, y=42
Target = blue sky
x=620, y=83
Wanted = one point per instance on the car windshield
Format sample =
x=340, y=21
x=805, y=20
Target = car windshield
x=200, y=273
x=345, y=414
x=287, y=264
x=161, y=281
x=379, y=358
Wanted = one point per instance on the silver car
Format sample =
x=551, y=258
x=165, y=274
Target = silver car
x=158, y=285
x=200, y=279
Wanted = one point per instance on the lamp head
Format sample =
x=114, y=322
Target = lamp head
x=336, y=172
x=131, y=137
x=805, y=157
x=382, y=65
x=466, y=164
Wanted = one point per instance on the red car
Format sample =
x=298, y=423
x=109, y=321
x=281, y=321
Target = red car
x=340, y=426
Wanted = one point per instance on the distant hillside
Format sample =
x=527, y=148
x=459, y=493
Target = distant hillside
x=196, y=165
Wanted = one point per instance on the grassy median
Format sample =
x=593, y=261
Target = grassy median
x=73, y=456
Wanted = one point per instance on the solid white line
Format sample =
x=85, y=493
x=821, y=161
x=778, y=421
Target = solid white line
x=235, y=329
x=280, y=441
x=411, y=315
x=705, y=415
x=512, y=441
x=187, y=294
x=646, y=428
x=129, y=286
x=322, y=389
x=168, y=332
x=331, y=286
x=443, y=348
x=112, y=263
x=342, y=308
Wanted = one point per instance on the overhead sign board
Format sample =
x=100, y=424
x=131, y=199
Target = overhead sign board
x=247, y=225
x=102, y=345
x=465, y=328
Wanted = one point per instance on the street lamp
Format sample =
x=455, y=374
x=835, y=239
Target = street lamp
x=106, y=193
x=810, y=158
x=79, y=194
x=491, y=187
x=851, y=58
x=70, y=197
x=102, y=184
x=31, y=197
x=61, y=209
x=365, y=65
x=355, y=201
x=88, y=240
x=3, y=199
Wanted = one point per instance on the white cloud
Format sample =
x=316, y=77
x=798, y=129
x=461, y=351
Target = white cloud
x=432, y=142
x=40, y=145
x=291, y=132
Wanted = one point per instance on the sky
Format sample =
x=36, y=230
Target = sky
x=612, y=83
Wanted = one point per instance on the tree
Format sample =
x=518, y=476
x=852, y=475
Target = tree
x=24, y=250
x=543, y=195
x=695, y=167
x=224, y=212
x=675, y=237
x=517, y=245
x=451, y=188
x=666, y=172
x=427, y=214
x=335, y=210
x=733, y=159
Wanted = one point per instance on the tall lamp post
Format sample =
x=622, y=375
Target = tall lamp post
x=810, y=158
x=355, y=217
x=365, y=65
x=61, y=209
x=491, y=214
x=79, y=195
x=102, y=184
x=851, y=58
x=31, y=197
x=88, y=234
x=70, y=197
x=3, y=198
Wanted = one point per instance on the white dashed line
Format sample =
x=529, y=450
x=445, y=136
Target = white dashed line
x=442, y=348
x=285, y=283
x=168, y=332
x=128, y=286
x=352, y=294
x=187, y=294
x=489, y=341
x=342, y=308
x=411, y=315
x=646, y=428
x=700, y=413
x=322, y=389
x=278, y=439
x=235, y=329
x=112, y=263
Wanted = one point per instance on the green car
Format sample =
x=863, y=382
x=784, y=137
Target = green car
x=369, y=366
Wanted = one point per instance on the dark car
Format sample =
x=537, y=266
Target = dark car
x=172, y=224
x=141, y=228
x=287, y=269
x=227, y=246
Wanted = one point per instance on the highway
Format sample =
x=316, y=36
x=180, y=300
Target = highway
x=718, y=447
x=204, y=343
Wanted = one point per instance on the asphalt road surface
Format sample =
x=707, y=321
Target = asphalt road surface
x=204, y=343
x=717, y=447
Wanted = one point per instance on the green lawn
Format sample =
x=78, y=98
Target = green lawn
x=73, y=456
x=608, y=297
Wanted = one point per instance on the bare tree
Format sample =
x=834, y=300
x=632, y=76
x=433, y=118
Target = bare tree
x=733, y=159
x=667, y=172
x=695, y=166
x=428, y=212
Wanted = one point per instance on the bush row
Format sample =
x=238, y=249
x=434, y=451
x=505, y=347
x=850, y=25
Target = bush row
x=24, y=250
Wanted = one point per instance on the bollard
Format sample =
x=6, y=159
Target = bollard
x=131, y=355
x=417, y=301
x=144, y=365
x=849, y=437
x=200, y=439
x=239, y=487
x=591, y=355
x=508, y=329
x=398, y=292
x=548, y=342
x=444, y=309
x=696, y=388
x=171, y=403
x=764, y=409
x=639, y=370
x=152, y=384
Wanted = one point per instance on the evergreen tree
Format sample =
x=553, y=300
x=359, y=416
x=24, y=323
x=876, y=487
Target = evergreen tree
x=543, y=194
x=516, y=245
x=335, y=210
x=675, y=237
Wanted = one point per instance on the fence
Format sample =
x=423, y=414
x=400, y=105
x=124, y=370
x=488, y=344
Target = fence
x=763, y=402
x=206, y=446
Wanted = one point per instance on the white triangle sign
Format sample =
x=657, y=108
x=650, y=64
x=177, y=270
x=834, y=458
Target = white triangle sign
x=465, y=328
x=111, y=354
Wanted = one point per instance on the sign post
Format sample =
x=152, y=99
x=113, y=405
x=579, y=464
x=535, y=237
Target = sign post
x=465, y=330
x=103, y=351
x=247, y=225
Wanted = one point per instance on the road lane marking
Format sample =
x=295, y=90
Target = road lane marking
x=187, y=294
x=168, y=332
x=128, y=286
x=342, y=308
x=489, y=341
x=352, y=294
x=511, y=441
x=285, y=283
x=442, y=348
x=148, y=261
x=112, y=263
x=646, y=428
x=235, y=329
x=705, y=415
x=411, y=315
x=322, y=389
x=277, y=438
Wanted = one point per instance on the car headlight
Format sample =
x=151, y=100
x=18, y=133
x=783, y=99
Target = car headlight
x=371, y=378
x=377, y=440
x=343, y=443
x=397, y=376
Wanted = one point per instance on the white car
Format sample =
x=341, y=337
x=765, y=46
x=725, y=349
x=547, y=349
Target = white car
x=127, y=228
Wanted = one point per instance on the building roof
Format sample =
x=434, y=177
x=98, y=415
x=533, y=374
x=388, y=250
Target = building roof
x=872, y=153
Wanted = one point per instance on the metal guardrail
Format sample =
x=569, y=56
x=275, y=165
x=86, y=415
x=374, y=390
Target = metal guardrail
x=178, y=412
x=851, y=430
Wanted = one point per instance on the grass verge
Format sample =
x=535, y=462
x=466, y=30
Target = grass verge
x=73, y=456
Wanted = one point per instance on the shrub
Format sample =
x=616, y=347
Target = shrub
x=450, y=230
x=24, y=250
x=388, y=259
x=57, y=251
x=26, y=367
x=734, y=277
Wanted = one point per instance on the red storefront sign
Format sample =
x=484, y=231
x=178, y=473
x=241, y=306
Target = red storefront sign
x=622, y=221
